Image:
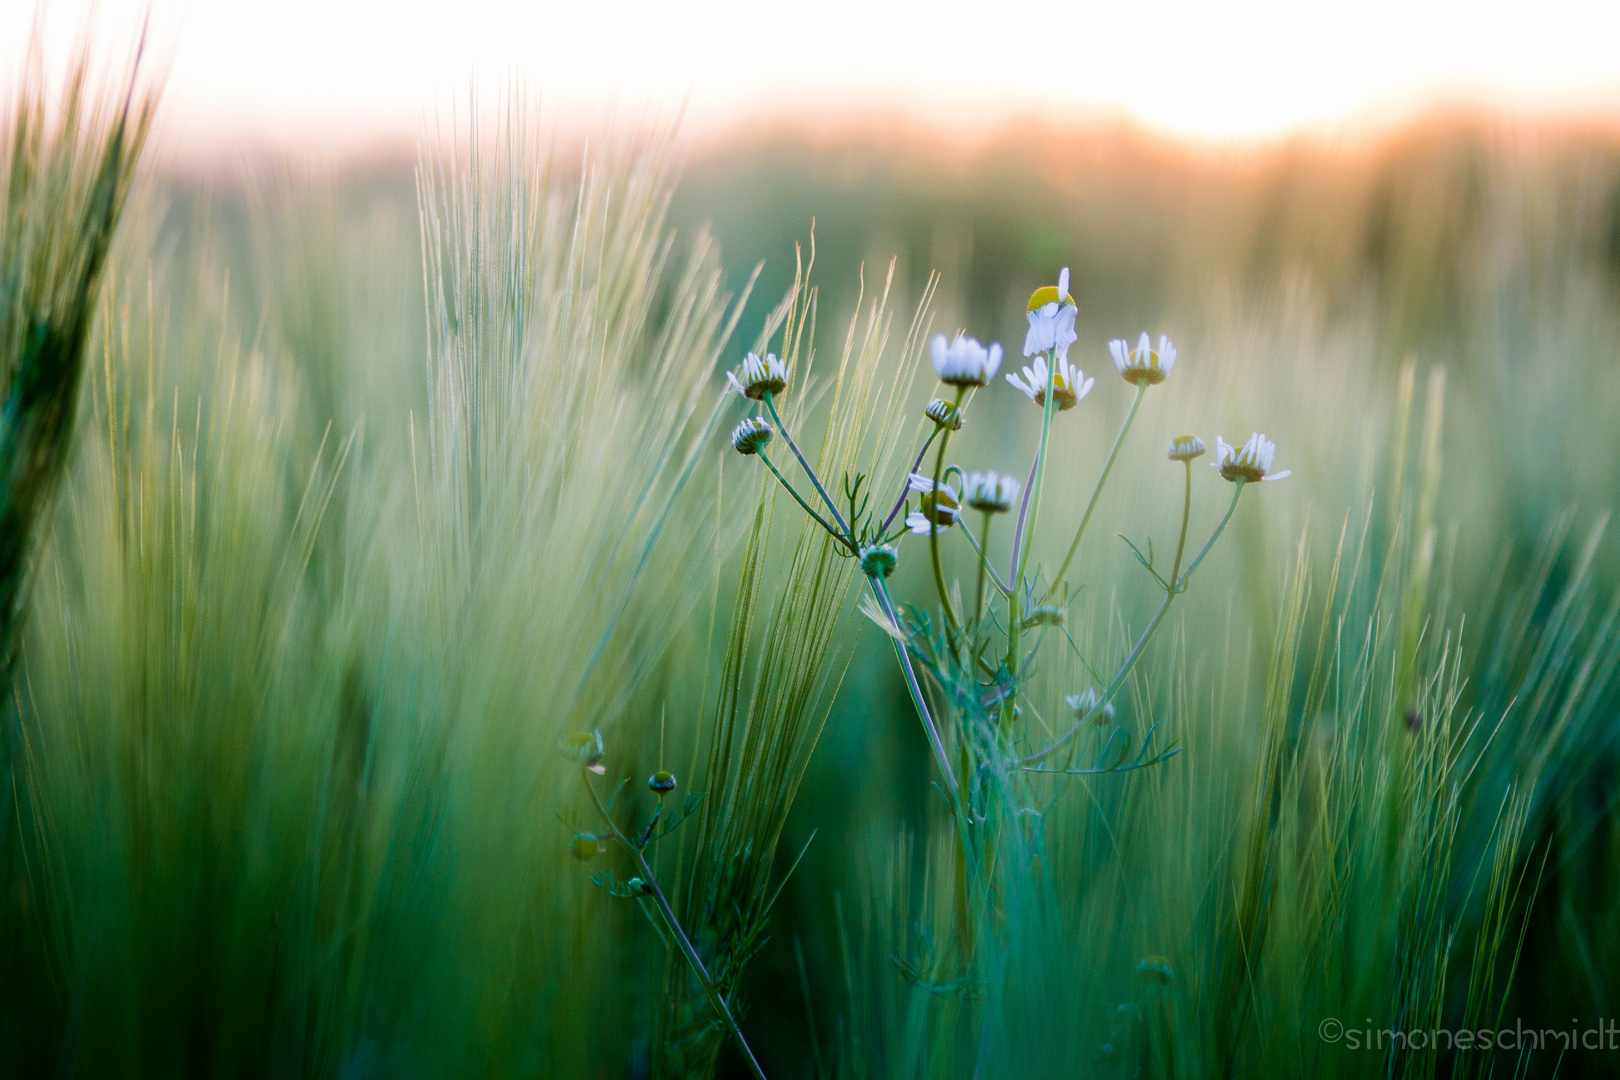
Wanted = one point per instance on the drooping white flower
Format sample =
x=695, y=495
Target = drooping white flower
x=1051, y=319
x=1144, y=364
x=750, y=436
x=1186, y=447
x=756, y=377
x=1250, y=463
x=940, y=506
x=964, y=362
x=991, y=492
x=1068, y=387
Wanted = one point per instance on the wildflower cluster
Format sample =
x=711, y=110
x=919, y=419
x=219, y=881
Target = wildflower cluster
x=1014, y=595
x=975, y=651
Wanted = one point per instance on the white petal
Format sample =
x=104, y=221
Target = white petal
x=1037, y=331
x=918, y=524
x=919, y=482
x=1063, y=283
x=1063, y=333
x=1281, y=475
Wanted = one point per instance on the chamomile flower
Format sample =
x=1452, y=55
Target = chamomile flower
x=1051, y=319
x=990, y=492
x=1068, y=386
x=1186, y=447
x=944, y=414
x=940, y=506
x=750, y=436
x=965, y=362
x=1250, y=463
x=1084, y=704
x=756, y=377
x=1144, y=364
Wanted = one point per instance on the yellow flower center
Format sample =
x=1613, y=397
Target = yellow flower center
x=1048, y=294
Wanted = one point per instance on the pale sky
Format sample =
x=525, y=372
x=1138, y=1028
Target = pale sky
x=338, y=74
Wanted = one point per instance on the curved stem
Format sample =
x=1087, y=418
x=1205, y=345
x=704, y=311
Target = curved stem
x=1096, y=493
x=905, y=482
x=811, y=473
x=800, y=500
x=710, y=987
x=1181, y=585
x=951, y=620
x=881, y=592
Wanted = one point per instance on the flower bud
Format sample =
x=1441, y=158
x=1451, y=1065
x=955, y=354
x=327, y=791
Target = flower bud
x=878, y=560
x=1186, y=447
x=750, y=436
x=584, y=847
x=661, y=783
x=945, y=414
x=585, y=747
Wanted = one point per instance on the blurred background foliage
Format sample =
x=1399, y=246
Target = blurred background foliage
x=1426, y=322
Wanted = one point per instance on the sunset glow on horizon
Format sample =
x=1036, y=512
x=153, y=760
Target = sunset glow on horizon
x=346, y=74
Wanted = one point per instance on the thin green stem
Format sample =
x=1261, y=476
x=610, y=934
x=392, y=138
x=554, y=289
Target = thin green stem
x=984, y=564
x=984, y=555
x=1181, y=585
x=1024, y=535
x=1181, y=542
x=710, y=987
x=800, y=500
x=1178, y=587
x=1096, y=493
x=811, y=473
x=881, y=592
x=905, y=481
x=951, y=621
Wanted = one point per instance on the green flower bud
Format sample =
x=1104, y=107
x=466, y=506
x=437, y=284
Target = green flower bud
x=661, y=783
x=878, y=560
x=584, y=847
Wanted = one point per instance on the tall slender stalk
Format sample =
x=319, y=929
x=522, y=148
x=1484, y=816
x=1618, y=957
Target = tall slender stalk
x=1175, y=587
x=951, y=620
x=710, y=987
x=1023, y=538
x=1096, y=492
